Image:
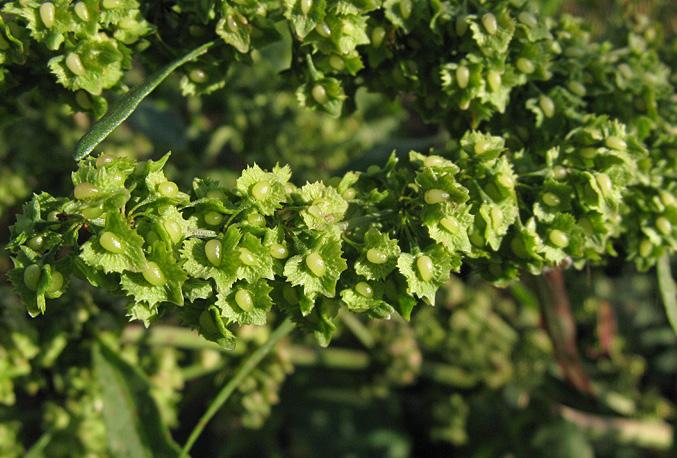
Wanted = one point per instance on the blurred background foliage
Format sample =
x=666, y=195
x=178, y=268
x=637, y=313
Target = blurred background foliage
x=477, y=376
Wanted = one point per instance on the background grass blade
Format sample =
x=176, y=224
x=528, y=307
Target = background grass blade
x=133, y=424
x=668, y=289
x=126, y=106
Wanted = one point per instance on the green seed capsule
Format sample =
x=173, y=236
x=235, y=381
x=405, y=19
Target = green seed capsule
x=231, y=22
x=517, y=247
x=216, y=194
x=279, y=251
x=104, y=160
x=494, y=80
x=85, y=191
x=173, y=230
x=306, y=5
x=489, y=23
x=449, y=224
x=377, y=36
x=244, y=300
x=645, y=248
x=247, y=257
x=168, y=188
x=477, y=239
x=626, y=71
x=55, y=282
x=81, y=11
x=604, y=183
x=527, y=19
x=547, y=106
x=349, y=194
x=323, y=29
x=110, y=4
x=213, y=251
x=616, y=143
x=53, y=216
x=197, y=76
x=577, y=88
x=524, y=65
x=213, y=218
x=47, y=13
x=550, y=199
x=425, y=268
x=92, y=212
x=664, y=226
x=36, y=243
x=462, y=76
x=435, y=196
x=337, y=62
x=405, y=8
x=32, y=275
x=461, y=25
x=319, y=94
x=506, y=181
x=434, y=161
x=480, y=147
x=588, y=152
x=74, y=64
x=316, y=264
x=363, y=289
x=558, y=238
x=153, y=274
x=667, y=199
x=376, y=256
x=110, y=242
x=261, y=190
x=256, y=219
x=496, y=216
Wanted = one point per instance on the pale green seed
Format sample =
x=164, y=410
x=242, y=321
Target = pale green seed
x=244, y=300
x=377, y=36
x=173, y=230
x=92, y=212
x=480, y=147
x=506, y=181
x=496, y=217
x=604, y=183
x=32, y=275
x=434, y=161
x=306, y=5
x=198, y=76
x=256, y=219
x=213, y=251
x=36, y=243
x=461, y=25
x=85, y=191
x=364, y=289
x=261, y=190
x=47, y=14
x=462, y=76
x=319, y=94
x=449, y=224
x=336, y=62
x=558, y=238
x=316, y=264
x=577, y=88
x=231, y=23
x=110, y=242
x=53, y=216
x=494, y=80
x=435, y=196
x=645, y=248
x=349, y=194
x=213, y=218
x=527, y=19
x=588, y=152
x=664, y=226
x=104, y=160
x=55, y=282
x=517, y=247
x=667, y=199
x=110, y=4
x=489, y=23
x=247, y=257
x=626, y=71
x=376, y=256
x=476, y=238
x=550, y=199
x=168, y=188
x=323, y=29
x=547, y=106
x=74, y=64
x=81, y=11
x=524, y=65
x=616, y=143
x=153, y=274
x=83, y=100
x=279, y=251
x=425, y=268
x=405, y=8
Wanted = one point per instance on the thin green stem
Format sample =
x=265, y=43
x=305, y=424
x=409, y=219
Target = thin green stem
x=242, y=372
x=358, y=329
x=668, y=289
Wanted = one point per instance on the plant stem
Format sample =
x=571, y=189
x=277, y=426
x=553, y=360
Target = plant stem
x=358, y=329
x=248, y=365
x=668, y=289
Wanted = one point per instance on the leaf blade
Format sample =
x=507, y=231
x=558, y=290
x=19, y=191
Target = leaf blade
x=668, y=289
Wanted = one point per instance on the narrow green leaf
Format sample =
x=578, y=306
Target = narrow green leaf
x=132, y=419
x=38, y=448
x=126, y=106
x=668, y=289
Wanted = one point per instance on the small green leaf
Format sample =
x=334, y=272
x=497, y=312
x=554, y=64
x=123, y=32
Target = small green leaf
x=130, y=414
